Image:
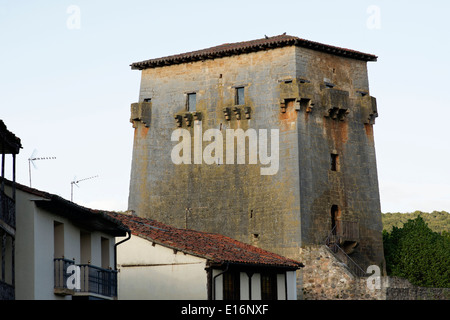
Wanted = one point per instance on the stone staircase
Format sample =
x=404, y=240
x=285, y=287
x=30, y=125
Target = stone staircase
x=341, y=247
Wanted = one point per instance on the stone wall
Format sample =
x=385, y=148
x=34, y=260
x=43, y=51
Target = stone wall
x=402, y=289
x=325, y=277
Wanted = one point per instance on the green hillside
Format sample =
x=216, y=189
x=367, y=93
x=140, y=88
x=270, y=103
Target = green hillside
x=438, y=221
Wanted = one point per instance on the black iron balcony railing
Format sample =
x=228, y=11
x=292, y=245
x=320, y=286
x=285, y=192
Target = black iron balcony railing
x=338, y=235
x=7, y=210
x=84, y=279
x=98, y=280
x=344, y=231
x=6, y=291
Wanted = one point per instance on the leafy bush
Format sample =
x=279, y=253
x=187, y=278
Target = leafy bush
x=417, y=253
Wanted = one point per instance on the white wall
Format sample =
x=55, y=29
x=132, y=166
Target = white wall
x=155, y=272
x=24, y=247
x=291, y=280
x=34, y=254
x=150, y=272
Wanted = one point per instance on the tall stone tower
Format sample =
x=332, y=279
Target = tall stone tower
x=305, y=111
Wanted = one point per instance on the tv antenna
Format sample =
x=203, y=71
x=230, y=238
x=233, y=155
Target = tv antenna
x=33, y=158
x=75, y=182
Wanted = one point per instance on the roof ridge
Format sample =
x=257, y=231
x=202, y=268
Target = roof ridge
x=228, y=49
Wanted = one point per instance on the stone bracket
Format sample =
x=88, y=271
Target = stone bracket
x=188, y=118
x=237, y=111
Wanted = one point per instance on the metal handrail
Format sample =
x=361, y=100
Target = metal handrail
x=93, y=279
x=98, y=280
x=332, y=242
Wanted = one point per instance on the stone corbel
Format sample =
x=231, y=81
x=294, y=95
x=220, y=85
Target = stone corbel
x=283, y=106
x=336, y=113
x=188, y=119
x=297, y=104
x=305, y=104
x=247, y=111
x=237, y=113
x=342, y=114
x=332, y=113
x=179, y=120
x=226, y=113
x=197, y=115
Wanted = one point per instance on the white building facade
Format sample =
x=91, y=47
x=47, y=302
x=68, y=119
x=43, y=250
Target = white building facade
x=62, y=250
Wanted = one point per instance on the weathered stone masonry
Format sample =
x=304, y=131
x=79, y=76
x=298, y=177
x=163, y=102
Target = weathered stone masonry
x=317, y=96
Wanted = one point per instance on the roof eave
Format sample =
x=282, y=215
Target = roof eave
x=86, y=218
x=291, y=41
x=224, y=263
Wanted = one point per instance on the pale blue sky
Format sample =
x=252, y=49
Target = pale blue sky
x=67, y=92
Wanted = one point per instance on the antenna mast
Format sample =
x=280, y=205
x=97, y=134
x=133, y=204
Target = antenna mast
x=74, y=182
x=31, y=160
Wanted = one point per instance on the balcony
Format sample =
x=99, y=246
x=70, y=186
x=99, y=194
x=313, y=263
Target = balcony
x=7, y=210
x=342, y=240
x=344, y=234
x=84, y=280
x=6, y=291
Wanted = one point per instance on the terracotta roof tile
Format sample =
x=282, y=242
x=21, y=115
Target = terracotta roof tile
x=229, y=49
x=215, y=247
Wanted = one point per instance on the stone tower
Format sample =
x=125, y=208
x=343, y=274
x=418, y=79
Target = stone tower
x=307, y=108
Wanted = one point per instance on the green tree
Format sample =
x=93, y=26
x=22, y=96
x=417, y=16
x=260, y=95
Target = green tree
x=418, y=254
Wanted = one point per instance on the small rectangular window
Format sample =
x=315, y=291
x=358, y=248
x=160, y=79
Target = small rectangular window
x=334, y=162
x=85, y=247
x=269, y=286
x=58, y=239
x=191, y=102
x=231, y=286
x=147, y=100
x=240, y=97
x=105, y=252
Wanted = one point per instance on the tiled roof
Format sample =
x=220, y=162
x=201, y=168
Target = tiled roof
x=215, y=247
x=230, y=49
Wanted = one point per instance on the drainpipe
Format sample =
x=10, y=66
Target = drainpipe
x=214, y=281
x=115, y=248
